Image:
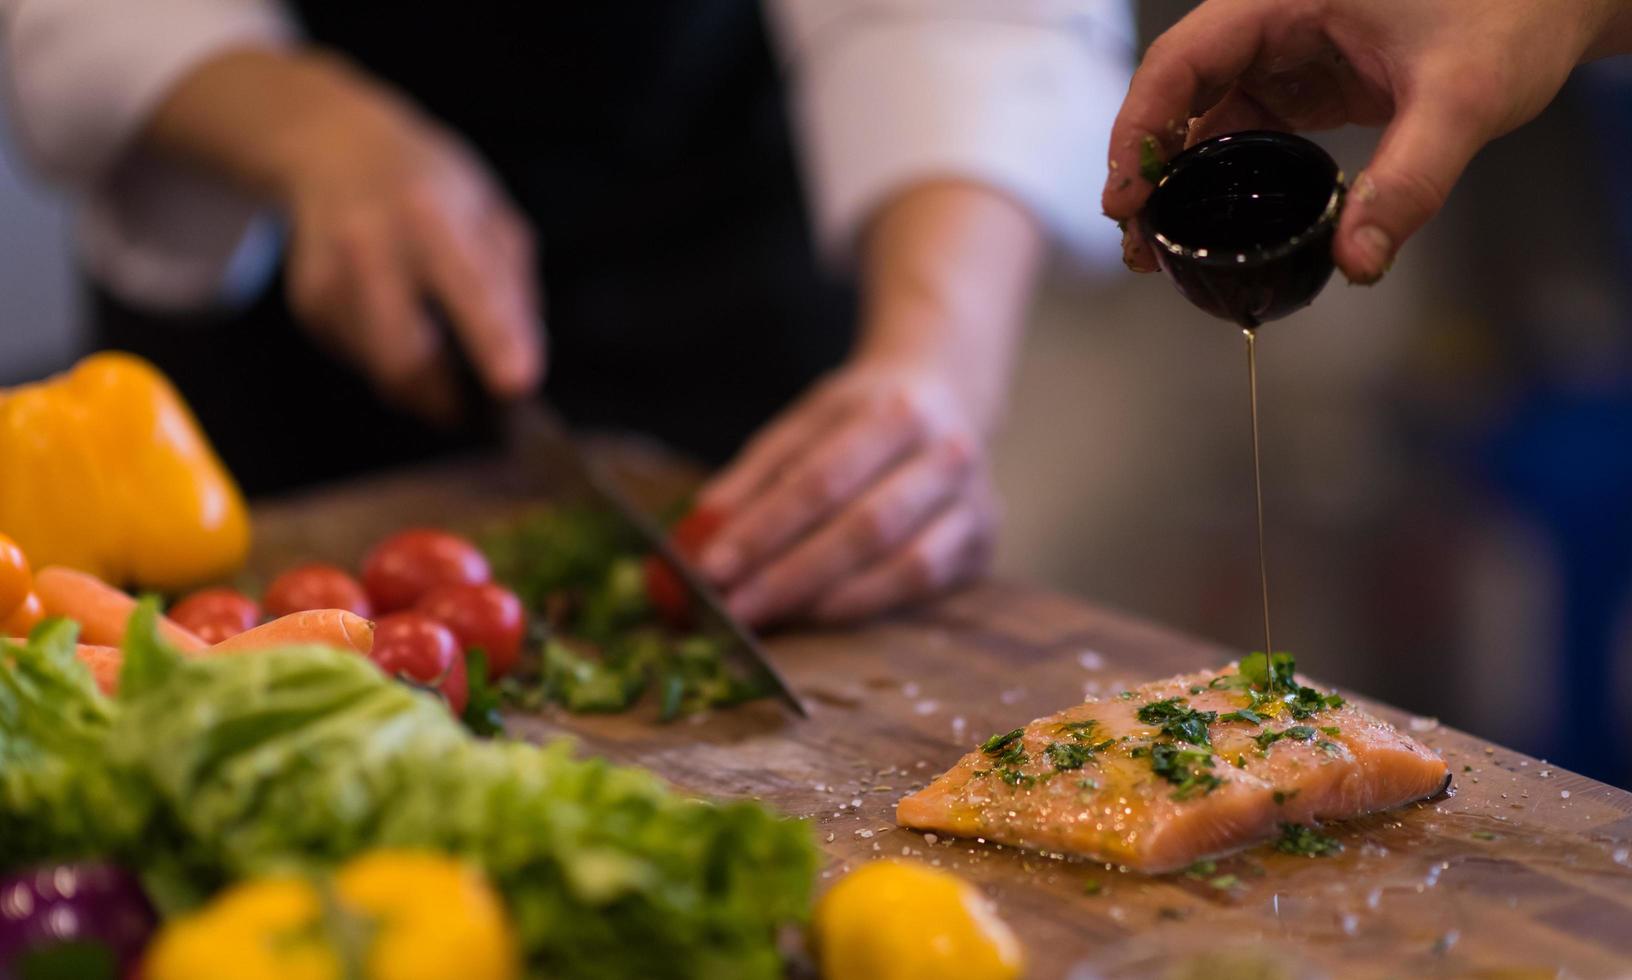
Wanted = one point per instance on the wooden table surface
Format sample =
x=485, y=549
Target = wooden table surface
x=1523, y=870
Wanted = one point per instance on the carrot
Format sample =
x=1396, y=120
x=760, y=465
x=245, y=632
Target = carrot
x=105, y=664
x=327, y=627
x=101, y=610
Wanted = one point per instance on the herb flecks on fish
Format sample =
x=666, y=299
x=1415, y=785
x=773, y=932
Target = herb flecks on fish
x=1078, y=730
x=997, y=743
x=1272, y=689
x=1015, y=777
x=1008, y=751
x=1187, y=769
x=1074, y=755
x=1178, y=720
x=1298, y=733
x=1067, y=755
x=1269, y=674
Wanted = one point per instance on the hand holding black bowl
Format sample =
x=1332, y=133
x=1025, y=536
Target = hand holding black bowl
x=1243, y=224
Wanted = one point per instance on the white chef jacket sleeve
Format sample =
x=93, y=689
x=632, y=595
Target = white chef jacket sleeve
x=1016, y=94
x=82, y=77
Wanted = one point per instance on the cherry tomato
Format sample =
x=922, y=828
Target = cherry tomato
x=408, y=564
x=417, y=648
x=15, y=578
x=664, y=589
x=215, y=614
x=316, y=585
x=487, y=616
x=28, y=614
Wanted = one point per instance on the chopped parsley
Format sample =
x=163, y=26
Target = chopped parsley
x=1150, y=159
x=1009, y=752
x=1225, y=882
x=1178, y=720
x=1482, y=835
x=1068, y=755
x=1272, y=686
x=1307, y=841
x=1331, y=730
x=1282, y=795
x=1306, y=701
x=1079, y=730
x=1200, y=870
x=997, y=743
x=1272, y=675
x=1015, y=777
x=1076, y=753
x=1006, y=748
x=1298, y=733
x=1246, y=715
x=1093, y=886
x=1187, y=769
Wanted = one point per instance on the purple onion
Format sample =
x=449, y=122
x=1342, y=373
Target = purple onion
x=95, y=913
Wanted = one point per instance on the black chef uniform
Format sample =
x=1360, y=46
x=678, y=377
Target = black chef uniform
x=648, y=142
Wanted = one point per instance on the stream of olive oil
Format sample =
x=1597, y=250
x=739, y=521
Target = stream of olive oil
x=1258, y=478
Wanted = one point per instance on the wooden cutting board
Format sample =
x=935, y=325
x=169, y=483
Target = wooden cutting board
x=1523, y=870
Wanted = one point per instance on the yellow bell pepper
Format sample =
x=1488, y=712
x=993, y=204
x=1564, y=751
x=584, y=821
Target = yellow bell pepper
x=259, y=930
x=387, y=915
x=104, y=469
x=900, y=920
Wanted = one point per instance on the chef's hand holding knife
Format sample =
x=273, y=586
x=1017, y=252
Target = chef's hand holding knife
x=1443, y=77
x=389, y=215
x=872, y=490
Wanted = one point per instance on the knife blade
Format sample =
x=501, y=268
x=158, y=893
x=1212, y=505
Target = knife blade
x=536, y=431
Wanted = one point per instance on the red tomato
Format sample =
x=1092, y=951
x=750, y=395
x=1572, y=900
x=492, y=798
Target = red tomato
x=15, y=578
x=664, y=589
x=28, y=614
x=487, y=616
x=215, y=614
x=316, y=585
x=417, y=648
x=408, y=564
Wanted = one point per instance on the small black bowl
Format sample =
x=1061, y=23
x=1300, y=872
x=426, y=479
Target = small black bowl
x=1243, y=224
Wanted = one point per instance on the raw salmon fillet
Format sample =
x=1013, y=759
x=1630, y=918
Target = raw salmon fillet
x=1179, y=770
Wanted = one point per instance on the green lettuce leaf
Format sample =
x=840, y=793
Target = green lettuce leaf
x=298, y=758
x=58, y=796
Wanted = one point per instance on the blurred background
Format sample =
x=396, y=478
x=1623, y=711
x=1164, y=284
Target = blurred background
x=1448, y=455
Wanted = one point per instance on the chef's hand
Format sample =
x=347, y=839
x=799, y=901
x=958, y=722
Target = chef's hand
x=873, y=490
x=1444, y=77
x=390, y=215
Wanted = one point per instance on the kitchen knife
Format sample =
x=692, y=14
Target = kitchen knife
x=541, y=441
x=541, y=444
